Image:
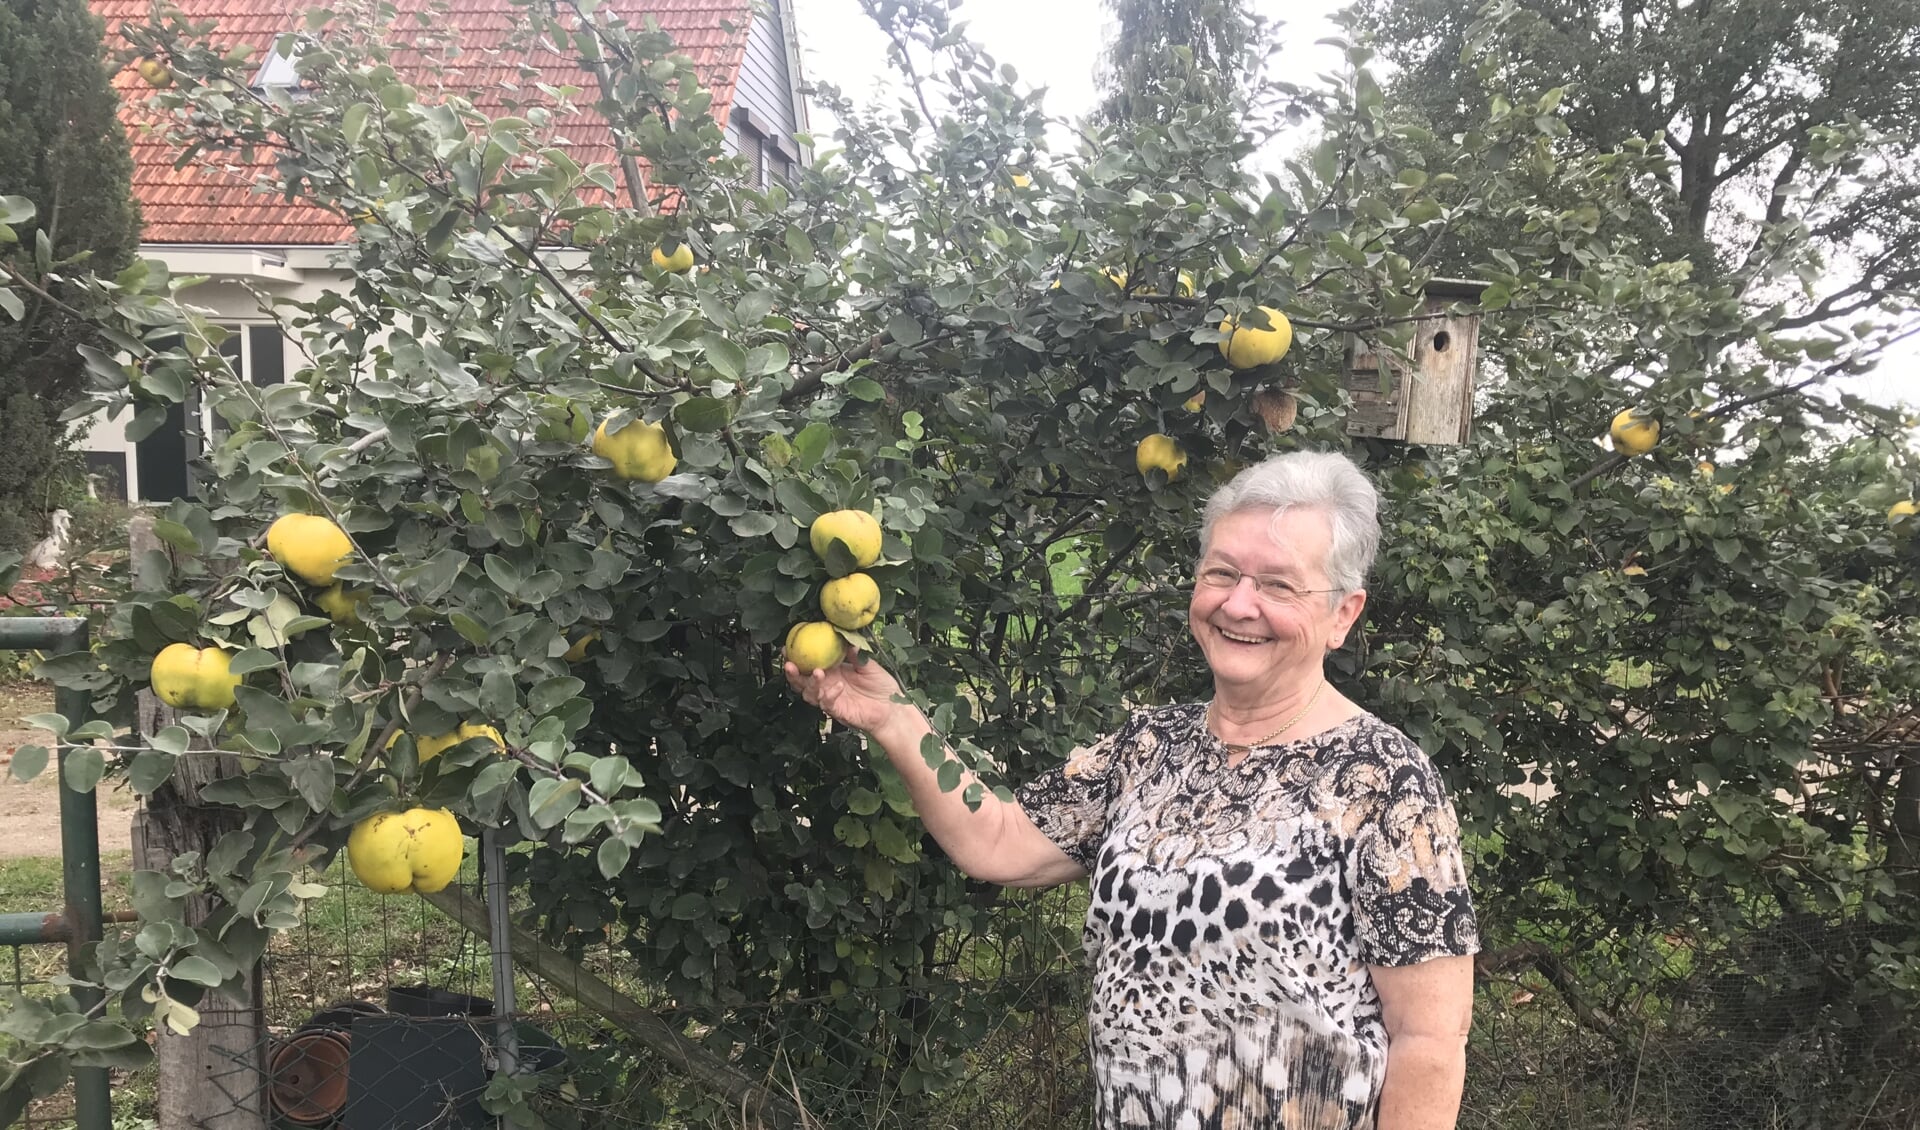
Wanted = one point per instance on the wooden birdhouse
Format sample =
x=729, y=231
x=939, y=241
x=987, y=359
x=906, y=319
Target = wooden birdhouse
x=1430, y=402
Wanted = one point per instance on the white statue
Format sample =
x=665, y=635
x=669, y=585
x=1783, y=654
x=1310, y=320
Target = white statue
x=50, y=550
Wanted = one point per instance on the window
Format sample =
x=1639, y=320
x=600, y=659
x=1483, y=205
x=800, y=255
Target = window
x=281, y=69
x=770, y=154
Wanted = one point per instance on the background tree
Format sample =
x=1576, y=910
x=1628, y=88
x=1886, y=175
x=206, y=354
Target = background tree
x=1748, y=97
x=67, y=156
x=1698, y=673
x=1164, y=50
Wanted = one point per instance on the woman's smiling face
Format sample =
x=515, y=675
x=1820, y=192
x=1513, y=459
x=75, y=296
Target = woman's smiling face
x=1260, y=646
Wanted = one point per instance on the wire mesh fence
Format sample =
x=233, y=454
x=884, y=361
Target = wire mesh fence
x=28, y=971
x=378, y=1014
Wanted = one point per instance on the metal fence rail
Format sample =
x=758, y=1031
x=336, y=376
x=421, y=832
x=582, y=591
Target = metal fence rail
x=78, y=923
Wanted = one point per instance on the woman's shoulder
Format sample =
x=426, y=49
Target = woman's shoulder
x=1368, y=753
x=1369, y=733
x=1174, y=720
x=1150, y=732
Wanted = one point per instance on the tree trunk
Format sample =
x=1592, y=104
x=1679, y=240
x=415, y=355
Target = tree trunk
x=1903, y=840
x=214, y=1077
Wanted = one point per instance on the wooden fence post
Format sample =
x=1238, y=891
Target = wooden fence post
x=214, y=1077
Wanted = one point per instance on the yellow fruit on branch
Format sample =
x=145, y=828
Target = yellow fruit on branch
x=183, y=675
x=1247, y=347
x=637, y=451
x=814, y=646
x=308, y=546
x=341, y=604
x=154, y=72
x=850, y=602
x=1634, y=432
x=857, y=529
x=431, y=747
x=577, y=650
x=1158, y=451
x=1904, y=513
x=1196, y=402
x=416, y=850
x=1021, y=180
x=678, y=262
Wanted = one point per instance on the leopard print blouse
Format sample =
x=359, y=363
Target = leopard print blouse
x=1235, y=912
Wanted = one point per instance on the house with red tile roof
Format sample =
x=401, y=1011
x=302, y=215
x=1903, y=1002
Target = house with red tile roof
x=208, y=219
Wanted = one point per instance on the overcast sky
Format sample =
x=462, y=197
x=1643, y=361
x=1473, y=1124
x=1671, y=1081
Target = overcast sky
x=1056, y=44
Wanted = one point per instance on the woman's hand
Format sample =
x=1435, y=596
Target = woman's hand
x=852, y=692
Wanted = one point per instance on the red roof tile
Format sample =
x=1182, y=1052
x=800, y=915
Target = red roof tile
x=205, y=204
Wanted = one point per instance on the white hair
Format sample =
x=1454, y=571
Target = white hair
x=1323, y=481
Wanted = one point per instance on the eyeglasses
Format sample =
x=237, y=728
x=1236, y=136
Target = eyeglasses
x=1272, y=589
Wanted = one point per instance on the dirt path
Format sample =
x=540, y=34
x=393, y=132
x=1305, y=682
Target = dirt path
x=30, y=811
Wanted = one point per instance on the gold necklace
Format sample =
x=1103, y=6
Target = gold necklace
x=1290, y=724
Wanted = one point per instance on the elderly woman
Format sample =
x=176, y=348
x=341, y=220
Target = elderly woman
x=1280, y=930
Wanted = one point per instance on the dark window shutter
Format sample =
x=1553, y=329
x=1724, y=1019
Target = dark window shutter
x=267, y=361
x=162, y=459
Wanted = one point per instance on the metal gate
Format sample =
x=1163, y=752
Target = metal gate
x=78, y=922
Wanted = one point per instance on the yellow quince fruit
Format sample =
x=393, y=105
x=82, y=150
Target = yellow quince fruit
x=416, y=850
x=429, y=748
x=308, y=546
x=637, y=451
x=1634, y=432
x=677, y=263
x=1903, y=513
x=814, y=646
x=857, y=528
x=1250, y=348
x=850, y=602
x=183, y=675
x=341, y=604
x=577, y=650
x=1159, y=451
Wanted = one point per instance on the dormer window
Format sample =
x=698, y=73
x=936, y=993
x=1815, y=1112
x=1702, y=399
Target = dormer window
x=280, y=70
x=771, y=155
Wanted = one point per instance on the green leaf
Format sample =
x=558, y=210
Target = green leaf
x=689, y=907
x=905, y=330
x=754, y=524
x=16, y=209
x=811, y=442
x=196, y=969
x=28, y=761
x=250, y=660
x=313, y=779
x=612, y=856
x=474, y=631
x=763, y=360
x=82, y=766
x=177, y=536
x=550, y=695
x=551, y=800
x=703, y=414
x=264, y=711
x=55, y=724
x=727, y=359
x=171, y=740
x=798, y=500
x=505, y=574
x=150, y=769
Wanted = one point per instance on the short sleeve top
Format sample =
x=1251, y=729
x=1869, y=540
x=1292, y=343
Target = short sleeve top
x=1235, y=909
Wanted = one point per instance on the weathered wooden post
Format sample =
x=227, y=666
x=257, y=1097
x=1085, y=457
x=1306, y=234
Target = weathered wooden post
x=1431, y=401
x=214, y=1077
